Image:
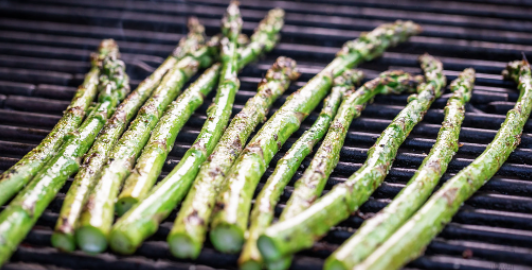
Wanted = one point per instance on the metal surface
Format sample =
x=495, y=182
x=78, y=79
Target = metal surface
x=44, y=53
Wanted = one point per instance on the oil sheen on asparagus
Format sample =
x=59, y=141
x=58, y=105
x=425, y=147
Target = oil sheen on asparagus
x=410, y=240
x=299, y=232
x=262, y=213
x=376, y=230
x=24, y=211
x=311, y=184
x=190, y=227
x=16, y=177
x=233, y=205
x=142, y=220
x=76, y=197
x=97, y=216
x=154, y=154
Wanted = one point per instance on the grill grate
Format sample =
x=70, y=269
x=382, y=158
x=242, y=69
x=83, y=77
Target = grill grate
x=44, y=53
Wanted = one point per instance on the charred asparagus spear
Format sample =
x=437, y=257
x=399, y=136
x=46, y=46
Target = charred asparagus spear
x=142, y=220
x=262, y=213
x=16, y=177
x=409, y=241
x=309, y=187
x=231, y=214
x=76, y=197
x=299, y=232
x=376, y=230
x=188, y=234
x=22, y=213
x=151, y=161
x=97, y=217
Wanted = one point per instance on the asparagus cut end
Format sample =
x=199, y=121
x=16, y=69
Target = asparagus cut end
x=281, y=264
x=334, y=264
x=121, y=243
x=124, y=204
x=183, y=246
x=227, y=238
x=268, y=249
x=63, y=242
x=91, y=239
x=251, y=265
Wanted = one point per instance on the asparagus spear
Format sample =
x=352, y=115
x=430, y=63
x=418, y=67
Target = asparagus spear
x=22, y=213
x=322, y=164
x=16, y=177
x=142, y=220
x=409, y=241
x=76, y=197
x=262, y=213
x=151, y=161
x=376, y=230
x=231, y=214
x=188, y=234
x=97, y=216
x=299, y=232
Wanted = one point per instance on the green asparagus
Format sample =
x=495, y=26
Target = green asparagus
x=97, y=216
x=323, y=162
x=151, y=161
x=188, y=234
x=232, y=206
x=76, y=197
x=22, y=213
x=142, y=220
x=376, y=230
x=262, y=213
x=16, y=177
x=299, y=232
x=410, y=240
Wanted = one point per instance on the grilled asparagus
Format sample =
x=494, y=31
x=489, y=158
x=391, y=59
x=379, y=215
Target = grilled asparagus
x=299, y=232
x=409, y=241
x=376, y=230
x=231, y=213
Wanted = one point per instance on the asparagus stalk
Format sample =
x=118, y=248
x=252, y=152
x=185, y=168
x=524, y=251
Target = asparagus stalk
x=299, y=232
x=322, y=164
x=188, y=234
x=262, y=213
x=376, y=230
x=231, y=214
x=409, y=241
x=151, y=161
x=16, y=177
x=97, y=216
x=22, y=213
x=142, y=220
x=76, y=197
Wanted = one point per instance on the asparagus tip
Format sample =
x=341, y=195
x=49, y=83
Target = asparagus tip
x=121, y=243
x=282, y=264
x=124, y=204
x=227, y=238
x=268, y=249
x=63, y=242
x=91, y=239
x=334, y=264
x=182, y=246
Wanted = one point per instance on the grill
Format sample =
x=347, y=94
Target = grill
x=44, y=53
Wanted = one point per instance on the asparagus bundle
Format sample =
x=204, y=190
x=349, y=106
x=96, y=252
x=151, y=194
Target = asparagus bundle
x=299, y=232
x=409, y=241
x=76, y=197
x=231, y=214
x=97, y=216
x=376, y=230
x=16, y=177
x=188, y=234
x=22, y=213
x=142, y=219
x=262, y=213
x=151, y=161
x=311, y=184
